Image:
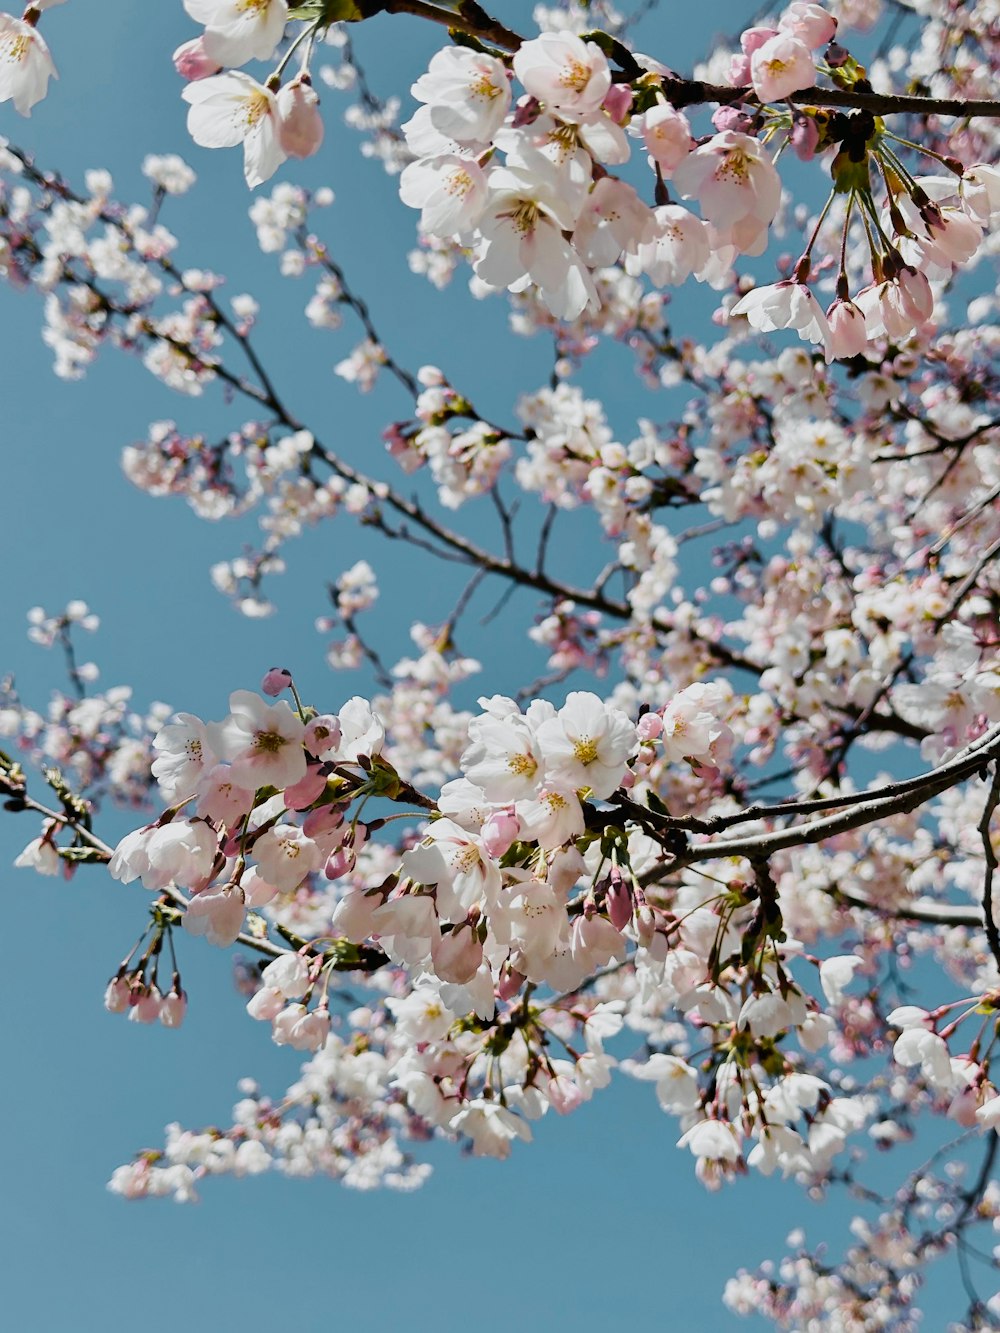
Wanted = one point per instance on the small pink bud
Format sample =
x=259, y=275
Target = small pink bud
x=618, y=102
x=458, y=955
x=804, y=137
x=267, y=1004
x=192, y=61
x=341, y=862
x=499, y=831
x=117, y=997
x=739, y=77
x=173, y=1009
x=754, y=38
x=848, y=336
x=147, y=1007
x=731, y=117
x=302, y=793
x=619, y=902
x=276, y=680
x=322, y=820
x=510, y=982
x=649, y=726
x=564, y=1095
x=300, y=126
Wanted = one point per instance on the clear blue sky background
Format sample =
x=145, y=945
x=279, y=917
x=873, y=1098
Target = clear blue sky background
x=598, y=1225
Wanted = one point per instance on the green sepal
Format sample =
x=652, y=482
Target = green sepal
x=81, y=855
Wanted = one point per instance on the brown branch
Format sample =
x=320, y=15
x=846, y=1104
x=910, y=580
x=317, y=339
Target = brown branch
x=990, y=856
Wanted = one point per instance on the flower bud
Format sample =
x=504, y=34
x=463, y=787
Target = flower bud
x=510, y=982
x=500, y=830
x=173, y=1009
x=302, y=793
x=267, y=1004
x=300, y=126
x=619, y=901
x=458, y=955
x=192, y=61
x=564, y=1095
x=276, y=680
x=117, y=997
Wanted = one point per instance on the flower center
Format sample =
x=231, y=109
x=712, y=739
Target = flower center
x=574, y=74
x=268, y=742
x=585, y=750
x=521, y=764
x=15, y=48
x=483, y=86
x=459, y=182
x=255, y=107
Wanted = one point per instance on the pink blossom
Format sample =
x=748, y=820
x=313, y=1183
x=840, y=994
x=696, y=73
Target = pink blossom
x=564, y=72
x=25, y=64
x=736, y=186
x=300, y=125
x=848, y=334
x=275, y=681
x=810, y=23
x=782, y=65
x=193, y=62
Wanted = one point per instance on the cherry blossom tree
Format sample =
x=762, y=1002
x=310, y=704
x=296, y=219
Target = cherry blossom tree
x=738, y=840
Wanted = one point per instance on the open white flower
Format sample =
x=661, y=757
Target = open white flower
x=450, y=192
x=523, y=242
x=183, y=757
x=467, y=93
x=587, y=743
x=229, y=109
x=262, y=741
x=25, y=64
x=564, y=71
x=240, y=30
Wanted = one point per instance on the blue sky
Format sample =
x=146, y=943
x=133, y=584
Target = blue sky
x=600, y=1222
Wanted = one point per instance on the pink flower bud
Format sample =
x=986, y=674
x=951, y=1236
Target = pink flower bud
x=302, y=794
x=285, y=1021
x=915, y=290
x=324, y=819
x=192, y=61
x=173, y=1009
x=619, y=902
x=300, y=126
x=618, y=101
x=739, y=77
x=276, y=680
x=646, y=923
x=322, y=735
x=510, y=982
x=731, y=117
x=649, y=726
x=118, y=995
x=458, y=955
x=500, y=830
x=804, y=137
x=810, y=23
x=848, y=336
x=147, y=1007
x=754, y=38
x=564, y=1095
x=311, y=1031
x=341, y=862
x=267, y=1004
